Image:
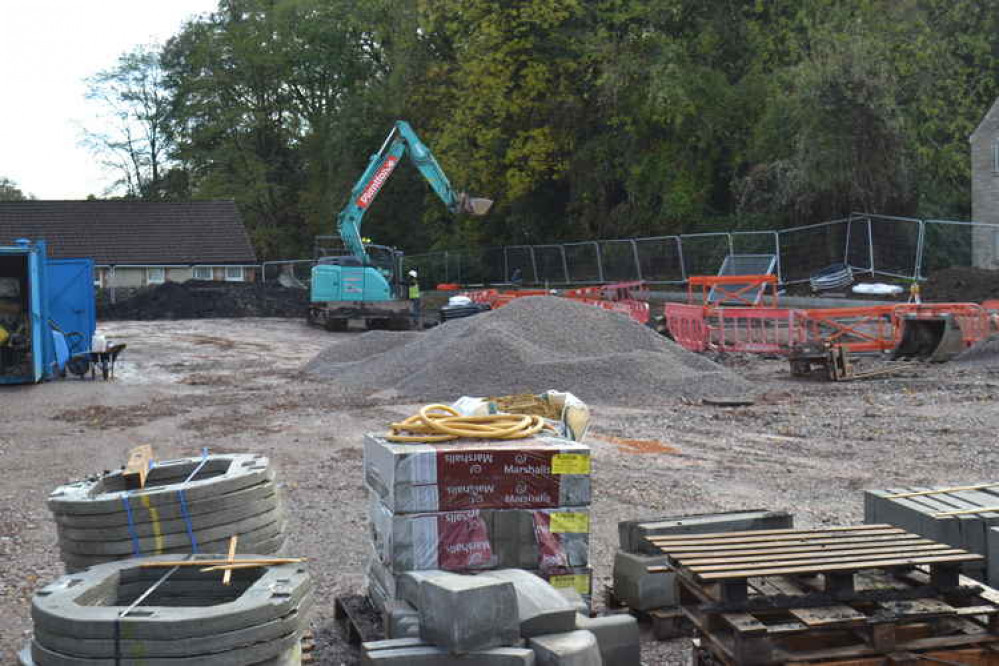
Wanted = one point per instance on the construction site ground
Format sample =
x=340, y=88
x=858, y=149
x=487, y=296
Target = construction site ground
x=807, y=447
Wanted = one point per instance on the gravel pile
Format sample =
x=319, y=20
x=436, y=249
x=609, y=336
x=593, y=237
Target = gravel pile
x=531, y=345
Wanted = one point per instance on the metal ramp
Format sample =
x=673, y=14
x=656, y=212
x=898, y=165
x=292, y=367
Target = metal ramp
x=743, y=264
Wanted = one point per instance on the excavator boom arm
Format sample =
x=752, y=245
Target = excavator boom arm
x=401, y=139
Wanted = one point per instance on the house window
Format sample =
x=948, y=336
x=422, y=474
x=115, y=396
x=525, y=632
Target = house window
x=155, y=275
x=98, y=283
x=202, y=272
x=233, y=273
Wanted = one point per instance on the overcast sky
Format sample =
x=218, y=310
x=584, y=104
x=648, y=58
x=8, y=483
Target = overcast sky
x=47, y=49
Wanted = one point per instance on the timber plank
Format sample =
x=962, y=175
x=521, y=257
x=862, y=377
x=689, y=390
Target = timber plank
x=847, y=566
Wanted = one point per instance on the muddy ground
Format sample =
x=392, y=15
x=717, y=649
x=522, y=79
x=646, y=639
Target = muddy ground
x=233, y=385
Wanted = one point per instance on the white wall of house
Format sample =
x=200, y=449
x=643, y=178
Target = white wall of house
x=143, y=276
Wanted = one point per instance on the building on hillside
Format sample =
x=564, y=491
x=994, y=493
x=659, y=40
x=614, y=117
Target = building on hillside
x=139, y=243
x=985, y=189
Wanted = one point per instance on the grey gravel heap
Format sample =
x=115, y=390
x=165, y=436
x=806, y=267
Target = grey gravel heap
x=99, y=521
x=189, y=619
x=921, y=514
x=533, y=343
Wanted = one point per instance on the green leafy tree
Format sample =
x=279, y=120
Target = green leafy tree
x=132, y=142
x=9, y=191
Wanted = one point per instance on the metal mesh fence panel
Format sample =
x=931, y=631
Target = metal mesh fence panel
x=895, y=242
x=583, y=260
x=754, y=242
x=870, y=244
x=431, y=267
x=805, y=250
x=703, y=254
x=947, y=244
x=494, y=269
x=520, y=263
x=659, y=259
x=858, y=245
x=551, y=264
x=618, y=257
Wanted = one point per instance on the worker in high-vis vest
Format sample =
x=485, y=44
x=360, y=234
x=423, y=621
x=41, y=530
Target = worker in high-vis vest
x=414, y=296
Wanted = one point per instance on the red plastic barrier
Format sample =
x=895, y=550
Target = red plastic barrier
x=757, y=330
x=687, y=325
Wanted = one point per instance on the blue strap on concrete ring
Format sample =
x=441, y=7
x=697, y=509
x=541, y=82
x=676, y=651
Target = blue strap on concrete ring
x=131, y=525
x=187, y=520
x=183, y=501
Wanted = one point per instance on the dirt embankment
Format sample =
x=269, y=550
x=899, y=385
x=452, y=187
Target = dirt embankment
x=961, y=284
x=197, y=299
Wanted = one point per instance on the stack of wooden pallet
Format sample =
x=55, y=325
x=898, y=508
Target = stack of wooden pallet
x=845, y=595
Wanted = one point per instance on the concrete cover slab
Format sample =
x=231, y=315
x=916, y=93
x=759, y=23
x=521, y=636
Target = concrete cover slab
x=573, y=648
x=434, y=656
x=468, y=613
x=542, y=610
x=639, y=589
x=633, y=534
x=617, y=638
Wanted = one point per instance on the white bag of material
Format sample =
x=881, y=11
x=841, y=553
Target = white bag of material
x=877, y=289
x=459, y=300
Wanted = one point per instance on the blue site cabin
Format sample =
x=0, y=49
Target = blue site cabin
x=47, y=312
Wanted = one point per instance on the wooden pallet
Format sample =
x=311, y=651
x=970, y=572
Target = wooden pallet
x=806, y=596
x=666, y=623
x=353, y=613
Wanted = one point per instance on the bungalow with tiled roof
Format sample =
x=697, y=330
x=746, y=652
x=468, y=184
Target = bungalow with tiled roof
x=138, y=243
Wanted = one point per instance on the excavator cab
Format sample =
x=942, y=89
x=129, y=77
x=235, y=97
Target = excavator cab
x=936, y=339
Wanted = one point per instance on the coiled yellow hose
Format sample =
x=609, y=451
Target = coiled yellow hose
x=442, y=423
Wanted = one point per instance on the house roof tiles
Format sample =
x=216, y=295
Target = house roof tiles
x=132, y=232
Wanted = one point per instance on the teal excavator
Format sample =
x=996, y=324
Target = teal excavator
x=365, y=282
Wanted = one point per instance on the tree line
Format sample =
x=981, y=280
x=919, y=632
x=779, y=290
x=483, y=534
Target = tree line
x=581, y=118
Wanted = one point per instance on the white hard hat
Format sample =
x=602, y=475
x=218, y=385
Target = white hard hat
x=412, y=273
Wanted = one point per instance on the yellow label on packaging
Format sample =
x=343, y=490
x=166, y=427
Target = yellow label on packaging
x=569, y=523
x=578, y=582
x=570, y=463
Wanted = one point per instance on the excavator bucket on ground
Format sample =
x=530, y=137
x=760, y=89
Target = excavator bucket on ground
x=936, y=339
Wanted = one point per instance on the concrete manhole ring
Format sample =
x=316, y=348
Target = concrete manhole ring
x=191, y=613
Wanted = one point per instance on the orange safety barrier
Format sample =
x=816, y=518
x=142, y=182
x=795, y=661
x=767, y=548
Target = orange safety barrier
x=687, y=326
x=855, y=329
x=777, y=330
x=736, y=288
x=757, y=330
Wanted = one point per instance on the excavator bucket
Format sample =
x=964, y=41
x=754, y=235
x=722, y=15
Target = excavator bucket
x=475, y=205
x=936, y=339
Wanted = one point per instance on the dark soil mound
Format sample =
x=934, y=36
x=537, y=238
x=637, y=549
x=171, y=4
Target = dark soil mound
x=961, y=284
x=199, y=299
